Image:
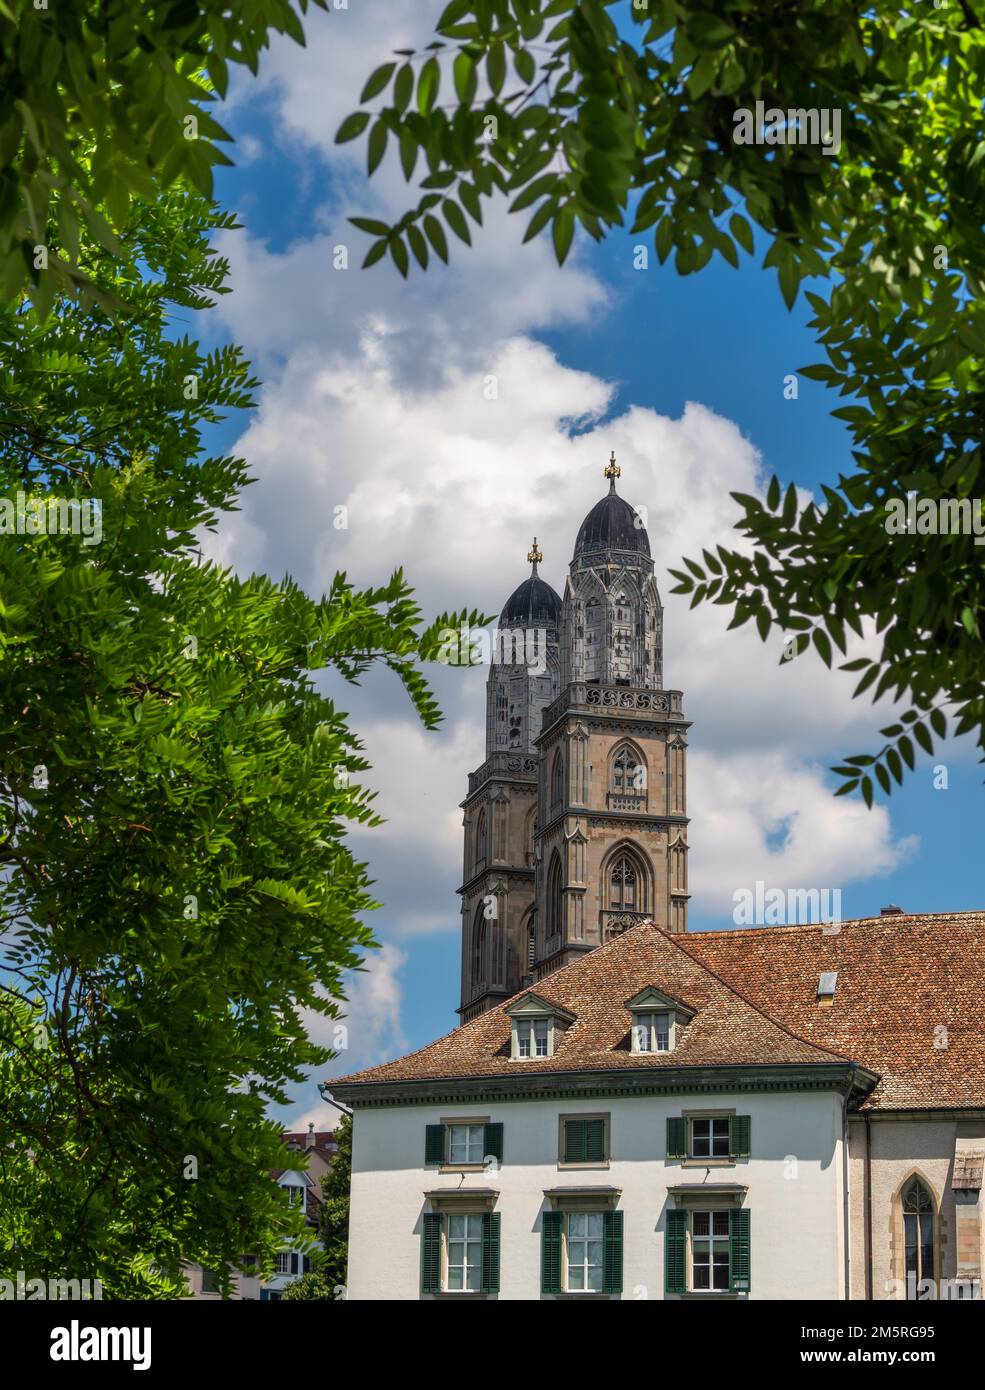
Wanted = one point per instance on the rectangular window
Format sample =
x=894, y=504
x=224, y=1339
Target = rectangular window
x=464, y=1246
x=209, y=1284
x=584, y=1241
x=465, y=1143
x=532, y=1037
x=585, y=1139
x=709, y=1251
x=284, y=1263
x=711, y=1138
x=651, y=1033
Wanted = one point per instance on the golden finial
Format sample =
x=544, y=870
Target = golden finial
x=534, y=555
x=612, y=471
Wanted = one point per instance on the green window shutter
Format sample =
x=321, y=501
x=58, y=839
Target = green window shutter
x=575, y=1144
x=595, y=1141
x=550, y=1251
x=738, y=1249
x=612, y=1252
x=492, y=1142
x=675, y=1252
x=740, y=1135
x=676, y=1136
x=431, y=1253
x=490, y=1251
x=434, y=1144
x=584, y=1141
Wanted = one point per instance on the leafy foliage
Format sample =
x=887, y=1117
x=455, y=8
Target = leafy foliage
x=174, y=793
x=102, y=103
x=583, y=123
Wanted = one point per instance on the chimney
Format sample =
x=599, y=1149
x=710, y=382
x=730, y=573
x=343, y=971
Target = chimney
x=309, y=1140
x=891, y=910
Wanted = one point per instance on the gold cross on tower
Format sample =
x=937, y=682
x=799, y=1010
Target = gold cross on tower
x=612, y=470
x=534, y=556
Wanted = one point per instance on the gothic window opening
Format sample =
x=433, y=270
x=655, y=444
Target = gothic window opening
x=627, y=772
x=918, y=1235
x=555, y=891
x=557, y=779
x=626, y=883
x=623, y=885
x=531, y=946
x=480, y=841
x=478, y=947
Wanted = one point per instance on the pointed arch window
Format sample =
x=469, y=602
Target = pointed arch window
x=478, y=947
x=918, y=1235
x=557, y=779
x=626, y=883
x=628, y=771
x=480, y=840
x=555, y=895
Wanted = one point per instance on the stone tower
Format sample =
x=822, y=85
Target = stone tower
x=501, y=806
x=576, y=823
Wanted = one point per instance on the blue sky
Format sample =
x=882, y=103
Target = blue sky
x=368, y=401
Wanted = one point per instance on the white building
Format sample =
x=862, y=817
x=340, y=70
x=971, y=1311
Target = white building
x=633, y=1129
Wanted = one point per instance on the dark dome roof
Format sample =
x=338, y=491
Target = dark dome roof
x=532, y=603
x=612, y=525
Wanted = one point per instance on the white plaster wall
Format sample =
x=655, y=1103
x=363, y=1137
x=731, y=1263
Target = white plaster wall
x=796, y=1207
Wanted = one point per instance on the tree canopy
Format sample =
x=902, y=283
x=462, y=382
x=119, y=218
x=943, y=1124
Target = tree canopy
x=587, y=114
x=102, y=103
x=174, y=794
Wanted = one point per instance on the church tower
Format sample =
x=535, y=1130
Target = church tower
x=611, y=841
x=500, y=809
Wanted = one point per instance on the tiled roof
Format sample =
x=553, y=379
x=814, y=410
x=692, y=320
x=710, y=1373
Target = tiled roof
x=325, y=1141
x=727, y=1030
x=909, y=1003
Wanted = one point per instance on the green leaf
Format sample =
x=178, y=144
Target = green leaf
x=427, y=85
x=436, y=236
x=563, y=228
x=376, y=81
x=352, y=126
x=456, y=220
x=376, y=147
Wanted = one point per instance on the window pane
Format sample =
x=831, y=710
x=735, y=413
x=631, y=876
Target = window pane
x=475, y=1143
x=701, y=1138
x=540, y=1036
x=641, y=1033
x=661, y=1027
x=701, y=1223
x=523, y=1036
x=720, y=1223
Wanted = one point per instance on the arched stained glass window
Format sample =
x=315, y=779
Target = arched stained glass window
x=918, y=1235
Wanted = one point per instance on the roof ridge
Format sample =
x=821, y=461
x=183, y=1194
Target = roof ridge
x=894, y=918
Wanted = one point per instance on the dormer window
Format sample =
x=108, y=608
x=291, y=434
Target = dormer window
x=651, y=1032
x=537, y=1024
x=533, y=1036
x=656, y=1019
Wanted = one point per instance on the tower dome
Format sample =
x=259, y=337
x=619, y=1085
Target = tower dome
x=612, y=524
x=533, y=603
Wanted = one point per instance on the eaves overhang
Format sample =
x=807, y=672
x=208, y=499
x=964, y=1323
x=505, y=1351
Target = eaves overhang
x=845, y=1078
